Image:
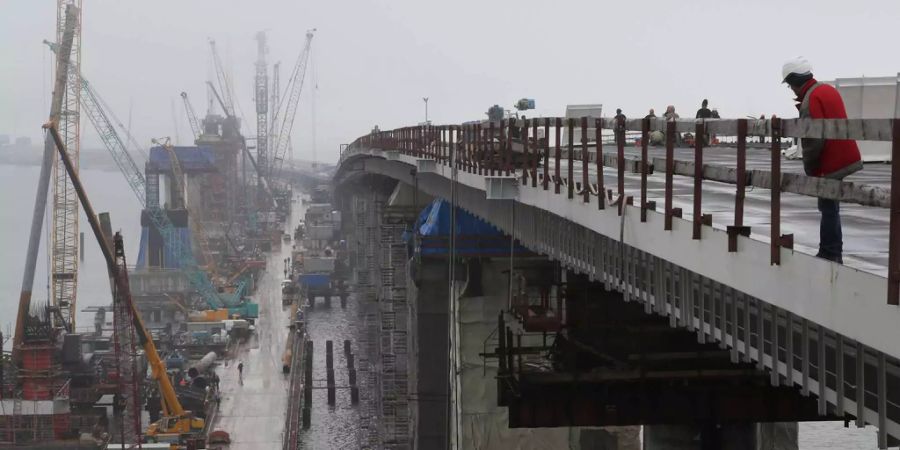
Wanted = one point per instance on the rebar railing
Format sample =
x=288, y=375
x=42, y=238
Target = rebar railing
x=564, y=153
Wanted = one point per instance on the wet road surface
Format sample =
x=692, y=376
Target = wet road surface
x=252, y=410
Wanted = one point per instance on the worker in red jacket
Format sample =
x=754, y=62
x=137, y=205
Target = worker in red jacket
x=829, y=158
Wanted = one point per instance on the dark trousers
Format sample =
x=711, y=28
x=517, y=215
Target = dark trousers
x=830, y=236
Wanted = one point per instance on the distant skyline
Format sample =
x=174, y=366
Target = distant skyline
x=374, y=60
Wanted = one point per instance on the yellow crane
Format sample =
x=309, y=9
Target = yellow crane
x=176, y=421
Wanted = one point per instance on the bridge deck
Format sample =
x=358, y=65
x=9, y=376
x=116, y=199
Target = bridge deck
x=824, y=311
x=865, y=228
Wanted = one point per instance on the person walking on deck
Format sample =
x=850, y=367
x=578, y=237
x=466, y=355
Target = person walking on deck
x=828, y=158
x=241, y=372
x=704, y=112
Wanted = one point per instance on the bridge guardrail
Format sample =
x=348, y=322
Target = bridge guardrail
x=504, y=148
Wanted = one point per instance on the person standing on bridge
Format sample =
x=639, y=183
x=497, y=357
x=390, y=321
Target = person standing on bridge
x=704, y=112
x=828, y=158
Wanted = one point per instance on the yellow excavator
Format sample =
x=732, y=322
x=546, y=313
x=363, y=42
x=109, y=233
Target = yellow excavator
x=176, y=422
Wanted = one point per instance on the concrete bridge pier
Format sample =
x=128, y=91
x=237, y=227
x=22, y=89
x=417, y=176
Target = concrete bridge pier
x=431, y=298
x=482, y=294
x=758, y=436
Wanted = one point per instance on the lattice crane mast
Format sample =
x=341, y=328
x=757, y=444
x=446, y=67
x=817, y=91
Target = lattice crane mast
x=64, y=232
x=192, y=117
x=298, y=75
x=222, y=78
x=40, y=199
x=198, y=279
x=262, y=105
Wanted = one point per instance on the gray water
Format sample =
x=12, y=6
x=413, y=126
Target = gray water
x=332, y=427
x=108, y=192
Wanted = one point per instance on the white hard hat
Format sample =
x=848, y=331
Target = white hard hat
x=798, y=65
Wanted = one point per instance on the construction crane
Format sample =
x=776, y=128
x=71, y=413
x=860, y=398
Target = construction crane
x=222, y=78
x=175, y=421
x=263, y=180
x=262, y=105
x=275, y=101
x=63, y=61
x=192, y=117
x=63, y=246
x=295, y=87
x=198, y=279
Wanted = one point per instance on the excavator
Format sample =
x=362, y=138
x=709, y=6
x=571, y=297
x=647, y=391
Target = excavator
x=176, y=423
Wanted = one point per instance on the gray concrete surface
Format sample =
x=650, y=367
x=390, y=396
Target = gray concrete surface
x=253, y=411
x=865, y=228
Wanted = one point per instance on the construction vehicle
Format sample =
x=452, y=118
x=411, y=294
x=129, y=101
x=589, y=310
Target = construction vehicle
x=176, y=423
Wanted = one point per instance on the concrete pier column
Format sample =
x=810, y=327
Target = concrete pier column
x=760, y=436
x=433, y=354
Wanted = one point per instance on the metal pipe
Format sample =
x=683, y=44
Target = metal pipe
x=699, y=137
x=527, y=156
x=585, y=182
x=670, y=168
x=557, y=157
x=537, y=155
x=545, y=182
x=63, y=55
x=620, y=148
x=601, y=190
x=570, y=181
x=645, y=135
x=775, y=238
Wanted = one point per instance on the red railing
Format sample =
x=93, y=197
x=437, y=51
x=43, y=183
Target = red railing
x=520, y=148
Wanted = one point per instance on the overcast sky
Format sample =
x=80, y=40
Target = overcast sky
x=374, y=60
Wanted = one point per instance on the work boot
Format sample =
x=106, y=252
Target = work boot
x=835, y=258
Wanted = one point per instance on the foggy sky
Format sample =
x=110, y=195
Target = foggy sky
x=374, y=60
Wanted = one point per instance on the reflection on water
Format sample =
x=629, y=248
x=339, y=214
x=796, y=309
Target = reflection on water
x=333, y=426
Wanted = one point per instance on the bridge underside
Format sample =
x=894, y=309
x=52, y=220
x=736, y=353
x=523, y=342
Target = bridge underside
x=615, y=365
x=648, y=338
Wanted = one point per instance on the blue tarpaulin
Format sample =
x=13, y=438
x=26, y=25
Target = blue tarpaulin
x=314, y=280
x=169, y=260
x=192, y=159
x=474, y=236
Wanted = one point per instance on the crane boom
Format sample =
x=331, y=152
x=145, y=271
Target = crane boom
x=115, y=262
x=222, y=78
x=262, y=105
x=263, y=180
x=198, y=279
x=40, y=199
x=296, y=86
x=192, y=117
x=63, y=245
x=124, y=330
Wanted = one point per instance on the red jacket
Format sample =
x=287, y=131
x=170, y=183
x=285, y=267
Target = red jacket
x=830, y=158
